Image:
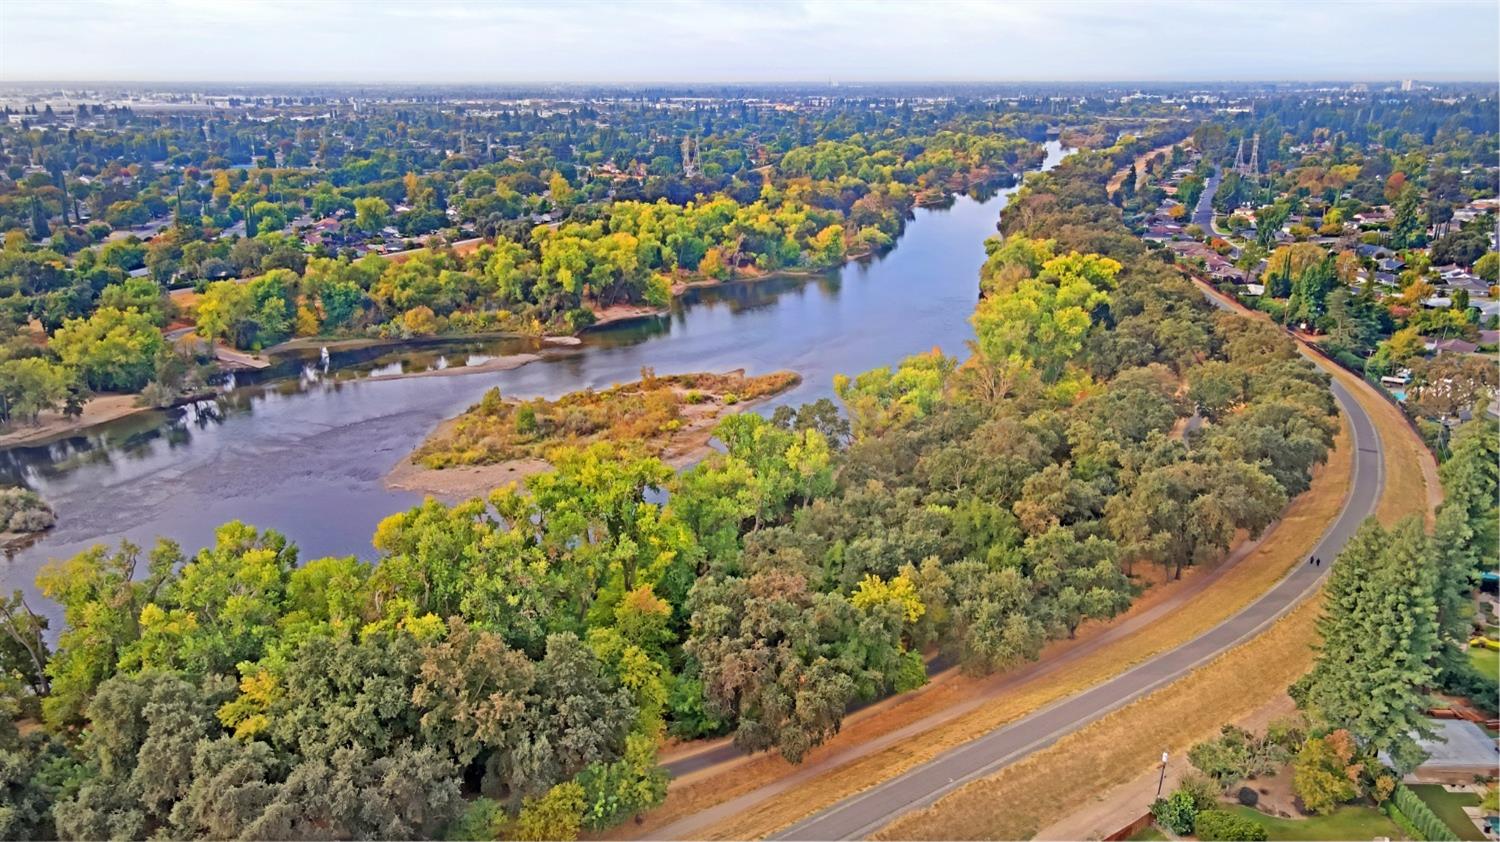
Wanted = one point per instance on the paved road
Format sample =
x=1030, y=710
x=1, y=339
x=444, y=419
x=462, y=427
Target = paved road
x=1203, y=214
x=862, y=814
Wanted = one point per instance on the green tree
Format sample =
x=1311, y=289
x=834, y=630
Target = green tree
x=112, y=349
x=1321, y=774
x=371, y=214
x=29, y=387
x=1380, y=641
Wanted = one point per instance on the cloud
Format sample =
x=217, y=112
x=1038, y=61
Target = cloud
x=739, y=40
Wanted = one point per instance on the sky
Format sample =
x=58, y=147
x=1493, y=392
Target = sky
x=493, y=41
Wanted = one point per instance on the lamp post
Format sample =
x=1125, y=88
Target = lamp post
x=1163, y=779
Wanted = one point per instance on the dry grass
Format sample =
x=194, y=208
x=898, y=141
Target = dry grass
x=1411, y=482
x=798, y=793
x=653, y=411
x=1037, y=789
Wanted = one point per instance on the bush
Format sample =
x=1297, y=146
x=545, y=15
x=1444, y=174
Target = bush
x=23, y=511
x=1247, y=796
x=1176, y=812
x=1224, y=825
x=1202, y=789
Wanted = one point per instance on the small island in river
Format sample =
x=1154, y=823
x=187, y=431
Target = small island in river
x=499, y=440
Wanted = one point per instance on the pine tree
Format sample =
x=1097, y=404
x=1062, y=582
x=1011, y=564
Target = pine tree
x=1380, y=641
x=1467, y=525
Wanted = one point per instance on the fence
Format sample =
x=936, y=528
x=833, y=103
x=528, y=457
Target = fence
x=1132, y=829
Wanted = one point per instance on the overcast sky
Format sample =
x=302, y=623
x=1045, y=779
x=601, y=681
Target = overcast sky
x=745, y=41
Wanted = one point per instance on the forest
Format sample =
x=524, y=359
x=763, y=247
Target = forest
x=507, y=667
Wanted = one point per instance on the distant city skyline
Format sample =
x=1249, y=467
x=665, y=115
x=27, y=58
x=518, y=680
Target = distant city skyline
x=729, y=41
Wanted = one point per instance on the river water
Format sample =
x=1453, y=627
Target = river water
x=306, y=454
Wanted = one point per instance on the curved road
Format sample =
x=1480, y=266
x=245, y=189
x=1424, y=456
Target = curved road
x=862, y=814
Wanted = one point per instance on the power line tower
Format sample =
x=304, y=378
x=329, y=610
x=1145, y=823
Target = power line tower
x=689, y=156
x=1252, y=166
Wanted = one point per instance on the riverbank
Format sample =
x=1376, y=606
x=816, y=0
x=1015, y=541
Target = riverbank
x=54, y=425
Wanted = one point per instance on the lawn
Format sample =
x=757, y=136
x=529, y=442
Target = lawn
x=1487, y=661
x=1343, y=823
x=1449, y=807
x=1150, y=833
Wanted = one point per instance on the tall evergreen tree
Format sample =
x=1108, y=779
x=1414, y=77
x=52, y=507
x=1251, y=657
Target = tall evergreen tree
x=1468, y=533
x=1380, y=641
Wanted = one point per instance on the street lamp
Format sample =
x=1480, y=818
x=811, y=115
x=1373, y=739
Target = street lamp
x=1163, y=779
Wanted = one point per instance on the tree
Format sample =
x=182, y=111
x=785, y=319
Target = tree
x=474, y=692
x=371, y=214
x=768, y=652
x=1406, y=223
x=1033, y=331
x=112, y=349
x=1468, y=540
x=1488, y=267
x=1177, y=812
x=29, y=387
x=102, y=602
x=580, y=717
x=1268, y=221
x=1380, y=641
x=1326, y=773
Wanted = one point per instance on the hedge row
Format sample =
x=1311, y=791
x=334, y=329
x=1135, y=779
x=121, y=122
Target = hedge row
x=1426, y=822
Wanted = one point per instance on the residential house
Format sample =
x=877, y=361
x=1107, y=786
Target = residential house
x=1450, y=346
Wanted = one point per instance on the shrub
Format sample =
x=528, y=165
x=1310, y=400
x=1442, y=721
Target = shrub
x=32, y=520
x=24, y=511
x=1176, y=812
x=1223, y=825
x=1247, y=796
x=556, y=815
x=1202, y=789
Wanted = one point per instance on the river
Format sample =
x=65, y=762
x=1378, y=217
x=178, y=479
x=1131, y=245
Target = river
x=306, y=454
